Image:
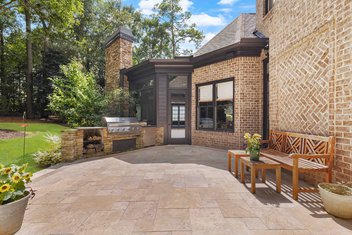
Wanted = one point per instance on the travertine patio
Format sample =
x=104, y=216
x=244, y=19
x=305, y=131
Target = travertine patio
x=168, y=190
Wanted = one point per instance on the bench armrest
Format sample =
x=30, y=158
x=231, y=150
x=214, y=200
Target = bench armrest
x=308, y=156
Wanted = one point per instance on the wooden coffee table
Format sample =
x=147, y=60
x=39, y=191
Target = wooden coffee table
x=263, y=164
x=237, y=154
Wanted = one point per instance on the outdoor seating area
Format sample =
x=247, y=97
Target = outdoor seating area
x=297, y=153
x=169, y=190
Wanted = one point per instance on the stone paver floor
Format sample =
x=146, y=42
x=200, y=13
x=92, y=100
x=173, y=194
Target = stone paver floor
x=176, y=190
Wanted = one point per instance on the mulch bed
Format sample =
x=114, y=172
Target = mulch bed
x=9, y=134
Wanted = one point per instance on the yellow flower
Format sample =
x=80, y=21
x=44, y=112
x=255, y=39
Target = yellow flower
x=247, y=136
x=27, y=176
x=7, y=170
x=16, y=177
x=23, y=168
x=4, y=188
x=257, y=136
x=1, y=166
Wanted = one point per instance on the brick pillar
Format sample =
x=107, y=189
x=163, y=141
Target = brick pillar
x=118, y=56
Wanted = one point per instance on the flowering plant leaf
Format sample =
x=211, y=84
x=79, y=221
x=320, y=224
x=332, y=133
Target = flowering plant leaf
x=13, y=180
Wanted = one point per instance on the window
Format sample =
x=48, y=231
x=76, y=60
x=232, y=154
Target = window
x=268, y=5
x=143, y=92
x=215, y=106
x=178, y=115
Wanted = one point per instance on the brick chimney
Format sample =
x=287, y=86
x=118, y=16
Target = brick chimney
x=118, y=56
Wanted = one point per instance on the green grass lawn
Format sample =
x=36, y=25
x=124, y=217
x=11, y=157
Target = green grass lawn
x=11, y=150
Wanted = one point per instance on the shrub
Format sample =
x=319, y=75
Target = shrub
x=51, y=156
x=118, y=103
x=76, y=97
x=13, y=180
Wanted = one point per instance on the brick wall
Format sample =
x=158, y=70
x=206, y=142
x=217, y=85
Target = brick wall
x=311, y=71
x=118, y=55
x=247, y=73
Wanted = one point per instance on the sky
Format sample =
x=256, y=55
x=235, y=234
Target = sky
x=211, y=16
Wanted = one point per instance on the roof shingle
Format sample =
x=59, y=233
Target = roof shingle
x=242, y=27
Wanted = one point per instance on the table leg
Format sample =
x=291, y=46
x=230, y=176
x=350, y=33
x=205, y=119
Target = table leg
x=253, y=178
x=242, y=171
x=263, y=175
x=229, y=161
x=236, y=165
x=278, y=179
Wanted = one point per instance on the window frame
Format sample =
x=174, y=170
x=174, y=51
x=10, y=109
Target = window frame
x=213, y=83
x=132, y=86
x=267, y=8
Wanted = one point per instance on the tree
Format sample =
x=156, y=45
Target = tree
x=76, y=97
x=175, y=21
x=153, y=42
x=60, y=13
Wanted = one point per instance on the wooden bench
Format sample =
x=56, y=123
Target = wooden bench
x=301, y=153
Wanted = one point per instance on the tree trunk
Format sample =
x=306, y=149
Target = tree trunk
x=29, y=70
x=2, y=59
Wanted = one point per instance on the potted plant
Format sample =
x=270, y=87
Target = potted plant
x=13, y=197
x=253, y=145
x=337, y=199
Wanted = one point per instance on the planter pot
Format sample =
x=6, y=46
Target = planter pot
x=338, y=204
x=254, y=155
x=11, y=215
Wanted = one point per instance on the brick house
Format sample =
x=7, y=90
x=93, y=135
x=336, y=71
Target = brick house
x=288, y=67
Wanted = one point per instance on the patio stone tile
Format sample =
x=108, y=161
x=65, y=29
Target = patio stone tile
x=66, y=222
x=152, y=233
x=31, y=228
x=206, y=219
x=172, y=219
x=278, y=218
x=138, y=210
x=51, y=197
x=100, y=221
x=132, y=195
x=44, y=213
x=235, y=208
x=253, y=223
x=94, y=202
x=119, y=206
x=281, y=232
x=144, y=224
x=180, y=198
x=181, y=232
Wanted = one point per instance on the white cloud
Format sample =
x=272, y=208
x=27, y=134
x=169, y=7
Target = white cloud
x=146, y=6
x=207, y=20
x=227, y=2
x=226, y=10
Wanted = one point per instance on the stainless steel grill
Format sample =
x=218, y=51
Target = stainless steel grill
x=126, y=125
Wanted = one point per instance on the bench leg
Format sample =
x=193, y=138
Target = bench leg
x=229, y=163
x=263, y=175
x=278, y=179
x=242, y=172
x=295, y=179
x=253, y=178
x=236, y=165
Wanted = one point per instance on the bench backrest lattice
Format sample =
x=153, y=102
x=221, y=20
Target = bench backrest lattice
x=288, y=142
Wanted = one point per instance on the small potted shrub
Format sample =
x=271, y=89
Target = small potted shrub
x=13, y=197
x=337, y=199
x=253, y=145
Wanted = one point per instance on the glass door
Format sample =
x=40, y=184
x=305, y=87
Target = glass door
x=178, y=120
